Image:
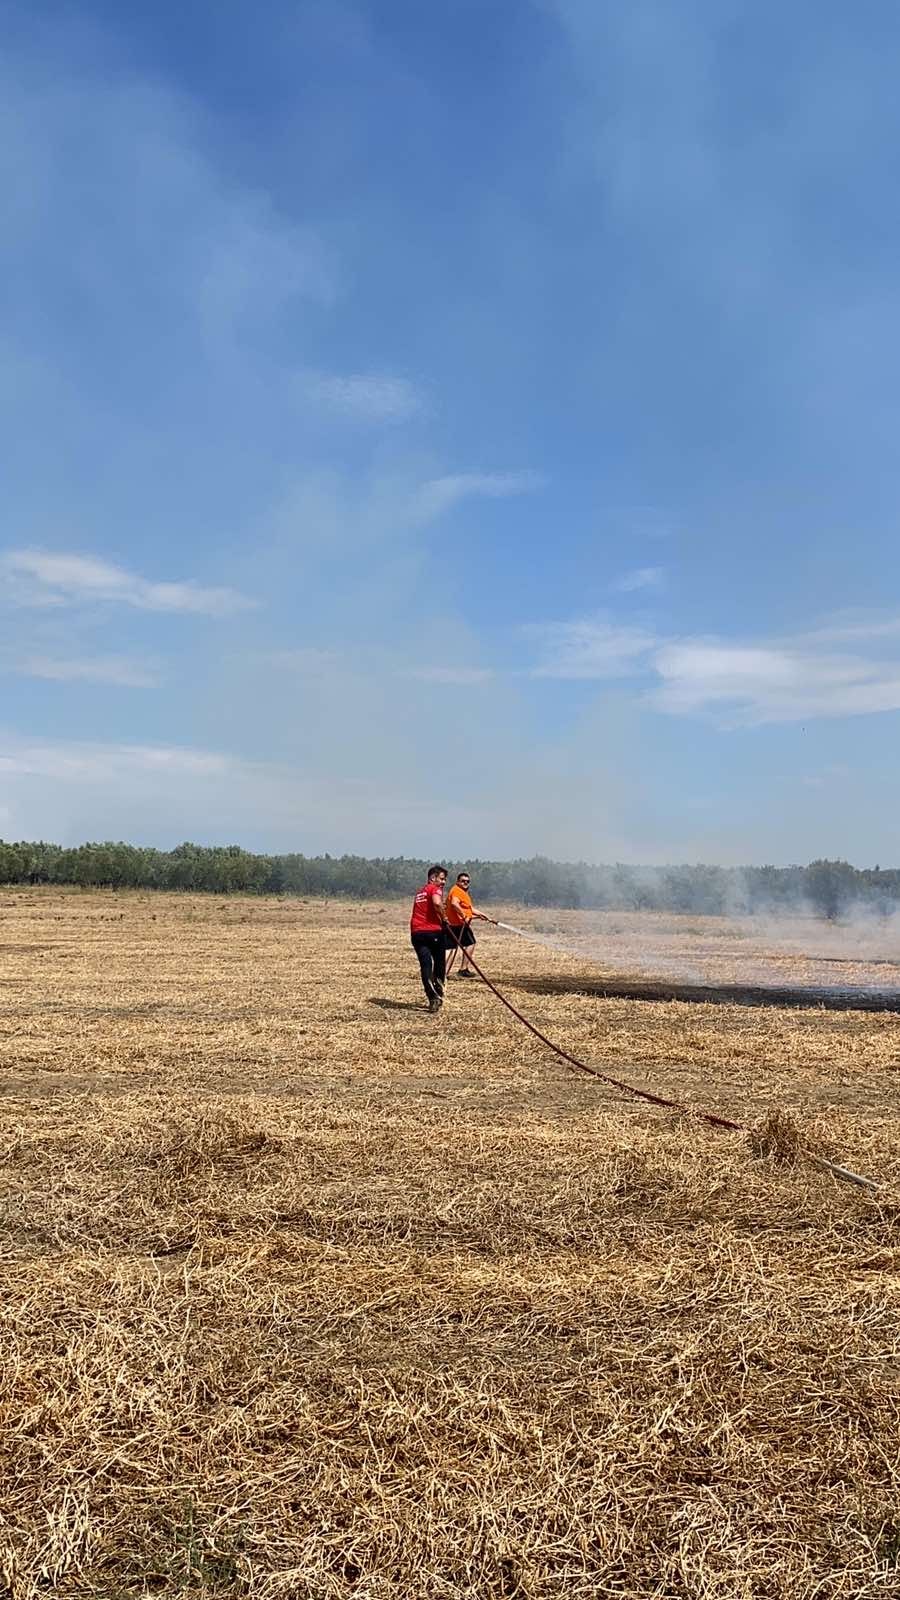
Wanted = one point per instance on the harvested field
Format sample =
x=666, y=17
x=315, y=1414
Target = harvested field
x=306, y=1295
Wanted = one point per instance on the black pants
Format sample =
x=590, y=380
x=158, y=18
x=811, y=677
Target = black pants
x=429, y=948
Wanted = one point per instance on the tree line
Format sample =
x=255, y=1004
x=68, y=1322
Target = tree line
x=831, y=889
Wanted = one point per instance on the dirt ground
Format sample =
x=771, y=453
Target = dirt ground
x=304, y=1293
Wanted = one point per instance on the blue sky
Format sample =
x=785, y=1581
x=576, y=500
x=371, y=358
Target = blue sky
x=452, y=429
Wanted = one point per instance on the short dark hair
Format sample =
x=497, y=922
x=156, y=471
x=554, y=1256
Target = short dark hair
x=433, y=870
x=464, y=874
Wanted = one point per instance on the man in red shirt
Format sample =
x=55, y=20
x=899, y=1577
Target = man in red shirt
x=427, y=930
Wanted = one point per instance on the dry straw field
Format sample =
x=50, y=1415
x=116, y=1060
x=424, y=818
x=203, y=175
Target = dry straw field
x=307, y=1294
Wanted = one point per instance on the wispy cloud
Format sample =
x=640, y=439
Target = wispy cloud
x=91, y=762
x=589, y=649
x=855, y=628
x=746, y=684
x=439, y=495
x=733, y=682
x=363, y=397
x=640, y=578
x=88, y=669
x=38, y=577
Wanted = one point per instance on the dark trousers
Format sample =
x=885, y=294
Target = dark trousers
x=429, y=948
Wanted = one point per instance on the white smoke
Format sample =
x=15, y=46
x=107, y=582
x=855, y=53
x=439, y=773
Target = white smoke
x=860, y=954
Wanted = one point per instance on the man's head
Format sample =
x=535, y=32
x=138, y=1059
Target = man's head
x=462, y=879
x=437, y=874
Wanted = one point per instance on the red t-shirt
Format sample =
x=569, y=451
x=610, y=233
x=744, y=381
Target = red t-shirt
x=425, y=915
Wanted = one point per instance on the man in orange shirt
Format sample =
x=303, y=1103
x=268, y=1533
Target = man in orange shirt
x=460, y=914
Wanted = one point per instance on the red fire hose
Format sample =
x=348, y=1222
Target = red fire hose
x=711, y=1117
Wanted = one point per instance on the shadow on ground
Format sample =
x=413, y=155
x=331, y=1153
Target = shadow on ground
x=396, y=1005
x=729, y=994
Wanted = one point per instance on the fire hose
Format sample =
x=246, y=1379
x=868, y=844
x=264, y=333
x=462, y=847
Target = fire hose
x=697, y=1113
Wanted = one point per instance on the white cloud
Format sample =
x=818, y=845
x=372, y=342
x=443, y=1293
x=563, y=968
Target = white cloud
x=640, y=578
x=89, y=669
x=441, y=494
x=37, y=577
x=771, y=682
x=372, y=514
x=364, y=397
x=854, y=629
x=89, y=762
x=590, y=649
x=463, y=676
x=737, y=683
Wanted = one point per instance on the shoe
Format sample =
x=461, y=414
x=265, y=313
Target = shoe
x=466, y=972
x=435, y=1005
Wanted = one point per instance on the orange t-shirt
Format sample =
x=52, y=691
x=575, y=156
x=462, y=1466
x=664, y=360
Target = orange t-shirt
x=459, y=906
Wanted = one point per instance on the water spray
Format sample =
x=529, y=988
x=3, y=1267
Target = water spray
x=543, y=939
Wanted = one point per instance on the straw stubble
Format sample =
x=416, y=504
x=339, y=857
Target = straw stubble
x=307, y=1294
